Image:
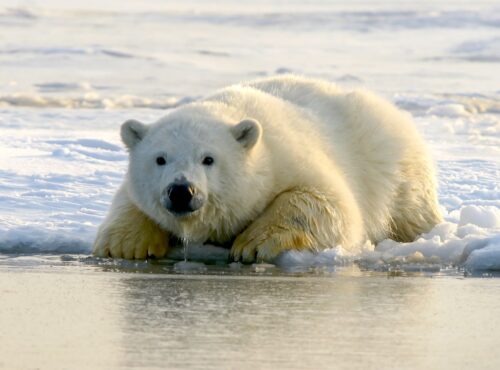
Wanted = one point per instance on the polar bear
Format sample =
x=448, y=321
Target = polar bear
x=282, y=163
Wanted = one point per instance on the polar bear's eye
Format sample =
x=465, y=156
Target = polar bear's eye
x=160, y=161
x=208, y=161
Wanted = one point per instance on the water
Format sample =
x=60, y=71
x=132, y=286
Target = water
x=79, y=313
x=61, y=156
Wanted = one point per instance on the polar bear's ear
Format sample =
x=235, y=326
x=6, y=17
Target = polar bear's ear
x=247, y=132
x=132, y=132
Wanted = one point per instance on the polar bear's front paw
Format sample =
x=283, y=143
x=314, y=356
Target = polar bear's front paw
x=289, y=223
x=131, y=236
x=123, y=244
x=266, y=245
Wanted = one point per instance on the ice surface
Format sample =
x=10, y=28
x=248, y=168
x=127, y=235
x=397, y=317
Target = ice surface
x=208, y=253
x=189, y=267
x=483, y=254
x=61, y=159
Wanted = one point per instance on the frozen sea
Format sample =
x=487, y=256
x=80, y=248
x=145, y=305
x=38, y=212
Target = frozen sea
x=72, y=72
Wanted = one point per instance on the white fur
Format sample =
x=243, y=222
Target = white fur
x=359, y=150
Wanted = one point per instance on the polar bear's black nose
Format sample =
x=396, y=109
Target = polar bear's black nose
x=182, y=198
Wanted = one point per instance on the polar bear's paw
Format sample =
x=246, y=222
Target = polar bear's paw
x=282, y=226
x=131, y=236
x=299, y=219
x=266, y=244
x=121, y=244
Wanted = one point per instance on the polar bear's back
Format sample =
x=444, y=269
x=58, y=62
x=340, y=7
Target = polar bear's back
x=302, y=91
x=356, y=121
x=337, y=108
x=376, y=146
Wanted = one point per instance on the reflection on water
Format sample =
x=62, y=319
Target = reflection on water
x=71, y=315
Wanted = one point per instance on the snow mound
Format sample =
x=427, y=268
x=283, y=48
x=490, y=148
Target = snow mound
x=448, y=244
x=483, y=216
x=90, y=100
x=482, y=255
x=44, y=238
x=449, y=110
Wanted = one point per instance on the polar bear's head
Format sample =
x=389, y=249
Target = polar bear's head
x=194, y=172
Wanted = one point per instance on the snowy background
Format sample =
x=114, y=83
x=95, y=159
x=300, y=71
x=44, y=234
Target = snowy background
x=70, y=74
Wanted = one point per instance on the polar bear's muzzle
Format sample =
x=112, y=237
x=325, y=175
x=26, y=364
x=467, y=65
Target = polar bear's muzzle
x=182, y=198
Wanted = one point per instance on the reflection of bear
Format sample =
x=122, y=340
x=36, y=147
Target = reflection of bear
x=277, y=164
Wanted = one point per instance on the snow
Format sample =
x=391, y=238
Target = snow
x=483, y=254
x=71, y=73
x=482, y=216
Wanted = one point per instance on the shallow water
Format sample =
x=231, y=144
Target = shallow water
x=61, y=158
x=80, y=312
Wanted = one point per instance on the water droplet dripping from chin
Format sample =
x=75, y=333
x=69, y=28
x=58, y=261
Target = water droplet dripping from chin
x=185, y=248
